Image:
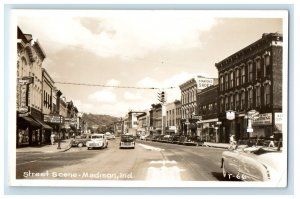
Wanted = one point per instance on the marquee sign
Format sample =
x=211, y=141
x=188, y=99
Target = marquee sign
x=57, y=119
x=263, y=119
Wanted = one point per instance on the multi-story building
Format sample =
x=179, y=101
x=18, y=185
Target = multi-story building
x=189, y=90
x=142, y=123
x=207, y=103
x=30, y=57
x=251, y=82
x=173, y=117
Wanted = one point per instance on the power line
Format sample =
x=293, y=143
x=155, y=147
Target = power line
x=108, y=86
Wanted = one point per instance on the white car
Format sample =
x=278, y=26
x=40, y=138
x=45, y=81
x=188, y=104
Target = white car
x=254, y=163
x=109, y=135
x=97, y=141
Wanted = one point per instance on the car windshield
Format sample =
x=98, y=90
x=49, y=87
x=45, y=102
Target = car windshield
x=97, y=136
x=259, y=146
x=127, y=138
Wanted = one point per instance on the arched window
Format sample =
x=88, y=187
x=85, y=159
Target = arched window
x=258, y=96
x=231, y=103
x=267, y=95
x=222, y=104
x=258, y=68
x=226, y=103
x=221, y=83
x=250, y=71
x=243, y=74
x=237, y=77
x=250, y=98
x=237, y=101
x=226, y=81
x=243, y=100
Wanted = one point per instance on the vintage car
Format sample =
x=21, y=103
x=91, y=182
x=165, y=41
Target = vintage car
x=127, y=141
x=97, y=141
x=258, y=161
x=193, y=140
x=81, y=140
x=109, y=136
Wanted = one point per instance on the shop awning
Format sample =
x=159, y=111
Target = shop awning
x=30, y=121
x=44, y=125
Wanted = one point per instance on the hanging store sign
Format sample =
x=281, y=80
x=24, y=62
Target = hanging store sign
x=230, y=115
x=56, y=119
x=197, y=117
x=24, y=82
x=278, y=118
x=204, y=82
x=262, y=119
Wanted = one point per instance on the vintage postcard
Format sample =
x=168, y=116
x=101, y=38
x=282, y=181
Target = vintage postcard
x=148, y=98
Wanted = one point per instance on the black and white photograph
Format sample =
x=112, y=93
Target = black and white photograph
x=148, y=98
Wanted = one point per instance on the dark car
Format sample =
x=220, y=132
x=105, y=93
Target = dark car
x=193, y=140
x=81, y=140
x=182, y=139
x=165, y=138
x=175, y=139
x=127, y=141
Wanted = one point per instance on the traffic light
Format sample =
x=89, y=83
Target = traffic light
x=163, y=99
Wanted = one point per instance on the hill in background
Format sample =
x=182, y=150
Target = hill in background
x=101, y=120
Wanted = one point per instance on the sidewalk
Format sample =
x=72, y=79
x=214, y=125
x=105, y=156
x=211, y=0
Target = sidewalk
x=64, y=145
x=216, y=145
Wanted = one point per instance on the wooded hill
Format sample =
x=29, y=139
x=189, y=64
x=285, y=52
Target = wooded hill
x=101, y=120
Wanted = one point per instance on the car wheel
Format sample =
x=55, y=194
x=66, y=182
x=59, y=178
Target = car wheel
x=80, y=145
x=88, y=148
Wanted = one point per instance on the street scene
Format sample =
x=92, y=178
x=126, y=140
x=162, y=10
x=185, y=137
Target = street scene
x=164, y=96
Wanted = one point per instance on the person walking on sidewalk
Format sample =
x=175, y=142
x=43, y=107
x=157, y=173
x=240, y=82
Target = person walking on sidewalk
x=52, y=138
x=232, y=142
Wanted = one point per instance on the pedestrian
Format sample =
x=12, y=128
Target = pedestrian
x=20, y=138
x=271, y=144
x=232, y=142
x=52, y=138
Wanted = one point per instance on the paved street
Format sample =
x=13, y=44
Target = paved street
x=148, y=161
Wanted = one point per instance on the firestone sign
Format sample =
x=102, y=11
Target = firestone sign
x=204, y=82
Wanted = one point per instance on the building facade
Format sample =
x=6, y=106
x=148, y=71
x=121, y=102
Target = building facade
x=189, y=90
x=207, y=103
x=251, y=82
x=30, y=56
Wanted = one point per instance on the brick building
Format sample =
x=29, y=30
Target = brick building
x=251, y=80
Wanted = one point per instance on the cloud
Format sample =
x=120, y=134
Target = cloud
x=148, y=82
x=103, y=96
x=127, y=34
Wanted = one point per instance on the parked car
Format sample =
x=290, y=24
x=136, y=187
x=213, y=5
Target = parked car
x=127, y=141
x=182, y=139
x=165, y=138
x=143, y=137
x=97, y=141
x=193, y=140
x=175, y=139
x=81, y=140
x=254, y=162
x=149, y=138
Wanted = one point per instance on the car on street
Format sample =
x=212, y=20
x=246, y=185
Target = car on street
x=258, y=161
x=109, y=136
x=165, y=138
x=127, y=141
x=193, y=140
x=182, y=139
x=175, y=139
x=97, y=141
x=81, y=140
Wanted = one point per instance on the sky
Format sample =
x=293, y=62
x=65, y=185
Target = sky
x=137, y=48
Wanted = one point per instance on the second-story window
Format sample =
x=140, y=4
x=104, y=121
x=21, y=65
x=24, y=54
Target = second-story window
x=237, y=101
x=243, y=100
x=267, y=95
x=258, y=96
x=250, y=98
x=222, y=105
x=226, y=103
x=231, y=103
